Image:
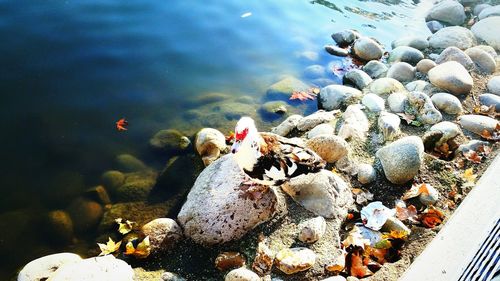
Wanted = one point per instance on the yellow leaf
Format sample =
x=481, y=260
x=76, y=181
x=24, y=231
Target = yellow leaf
x=469, y=177
x=109, y=248
x=142, y=250
x=125, y=226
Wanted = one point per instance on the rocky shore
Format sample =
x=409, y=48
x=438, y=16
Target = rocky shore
x=405, y=138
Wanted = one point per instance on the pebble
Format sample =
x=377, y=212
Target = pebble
x=264, y=258
x=355, y=124
x=483, y=61
x=294, y=260
x=388, y=124
x=425, y=65
x=447, y=103
x=329, y=147
x=455, y=54
x=312, y=230
x=405, y=54
x=112, y=180
x=314, y=71
x=274, y=108
x=397, y=102
x=487, y=12
x=429, y=198
x=43, y=268
x=478, y=123
x=494, y=85
x=488, y=49
x=375, y=69
x=487, y=30
x=416, y=42
x=345, y=37
x=336, y=51
x=453, y=36
x=448, y=129
x=164, y=233
x=385, y=86
x=373, y=102
x=490, y=100
x=321, y=129
x=366, y=173
x=448, y=11
x=334, y=96
x=313, y=120
x=209, y=144
x=421, y=86
x=401, y=71
x=434, y=26
x=357, y=78
x=451, y=76
x=367, y=49
x=471, y=145
x=287, y=126
x=242, y=274
x=421, y=104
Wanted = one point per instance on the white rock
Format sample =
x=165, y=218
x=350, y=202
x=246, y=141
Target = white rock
x=373, y=102
x=98, y=268
x=487, y=30
x=329, y=147
x=447, y=103
x=494, y=85
x=421, y=104
x=421, y=86
x=457, y=36
x=209, y=143
x=401, y=71
x=455, y=54
x=419, y=43
x=294, y=260
x=313, y=120
x=479, y=8
x=333, y=97
x=490, y=100
x=43, y=268
x=489, y=12
x=366, y=173
x=450, y=130
x=367, y=49
x=287, y=126
x=242, y=274
x=397, y=102
x=478, y=123
x=451, y=76
x=483, y=61
x=388, y=124
x=385, y=86
x=355, y=124
x=163, y=234
x=312, y=230
x=321, y=129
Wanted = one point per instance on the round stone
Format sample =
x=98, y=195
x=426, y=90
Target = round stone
x=447, y=11
x=375, y=69
x=447, y=103
x=494, y=85
x=329, y=147
x=357, y=78
x=487, y=30
x=386, y=86
x=366, y=173
x=490, y=100
x=397, y=102
x=312, y=230
x=451, y=76
x=373, y=102
x=345, y=37
x=487, y=12
x=367, y=49
x=321, y=129
x=242, y=274
x=336, y=51
x=419, y=43
x=425, y=65
x=294, y=260
x=455, y=54
x=453, y=36
x=405, y=54
x=401, y=71
x=483, y=61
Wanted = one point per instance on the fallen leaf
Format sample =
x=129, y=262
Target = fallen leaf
x=125, y=226
x=431, y=217
x=472, y=156
x=407, y=213
x=142, y=250
x=338, y=264
x=377, y=254
x=357, y=267
x=302, y=96
x=407, y=117
x=109, y=248
x=469, y=177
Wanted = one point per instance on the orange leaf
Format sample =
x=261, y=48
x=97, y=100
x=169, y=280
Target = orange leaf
x=377, y=254
x=358, y=269
x=472, y=156
x=431, y=218
x=302, y=96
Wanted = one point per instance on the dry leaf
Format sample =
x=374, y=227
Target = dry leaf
x=338, y=264
x=357, y=266
x=469, y=177
x=472, y=156
x=302, y=96
x=142, y=250
x=407, y=117
x=431, y=218
x=109, y=248
x=377, y=254
x=406, y=213
x=125, y=226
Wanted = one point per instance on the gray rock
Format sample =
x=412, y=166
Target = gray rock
x=434, y=26
x=447, y=103
x=226, y=214
x=421, y=86
x=366, y=173
x=321, y=129
x=287, y=126
x=455, y=54
x=329, y=147
x=405, y=54
x=489, y=12
x=388, y=125
x=96, y=268
x=367, y=49
x=314, y=71
x=334, y=96
x=373, y=102
x=451, y=76
x=478, y=123
x=397, y=102
x=336, y=51
x=313, y=120
x=209, y=144
x=490, y=100
x=357, y=78
x=43, y=268
x=274, y=108
x=421, y=104
x=487, y=30
x=355, y=124
x=242, y=274
x=494, y=85
x=386, y=86
x=488, y=49
x=282, y=90
x=323, y=82
x=471, y=145
x=416, y=42
x=448, y=11
x=85, y=214
x=425, y=65
x=483, y=61
x=164, y=234
x=375, y=69
x=129, y=163
x=456, y=36
x=479, y=8
x=345, y=37
x=312, y=230
x=323, y=193
x=401, y=159
x=448, y=129
x=112, y=180
x=401, y=71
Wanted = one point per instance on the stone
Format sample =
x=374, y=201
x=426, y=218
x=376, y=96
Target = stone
x=294, y=260
x=170, y=276
x=488, y=49
x=385, y=86
x=170, y=141
x=483, y=61
x=324, y=194
x=86, y=214
x=471, y=145
x=139, y=212
x=421, y=86
x=355, y=124
x=336, y=51
x=447, y=103
x=312, y=230
x=282, y=90
x=242, y=274
x=419, y=43
x=447, y=11
x=314, y=71
x=163, y=234
x=43, y=268
x=329, y=147
x=96, y=268
x=451, y=76
x=494, y=85
x=357, y=78
x=98, y=194
x=112, y=180
x=397, y=102
x=405, y=54
x=401, y=71
x=373, y=102
x=401, y=159
x=313, y=120
x=486, y=31
x=479, y=8
x=393, y=224
x=334, y=96
x=209, y=144
x=287, y=126
x=434, y=26
x=478, y=123
x=425, y=65
x=323, y=82
x=264, y=258
x=137, y=186
x=388, y=125
x=129, y=163
x=490, y=100
x=456, y=36
x=274, y=108
x=455, y=54
x=345, y=37
x=60, y=227
x=226, y=214
x=487, y=12
x=366, y=173
x=321, y=129
x=207, y=98
x=335, y=278
x=367, y=49
x=375, y=69
x=421, y=105
x=448, y=129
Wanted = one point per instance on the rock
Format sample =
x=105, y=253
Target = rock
x=329, y=147
x=448, y=129
x=323, y=82
x=448, y=11
x=456, y=36
x=43, y=268
x=357, y=78
x=486, y=30
x=86, y=214
x=323, y=193
x=434, y=26
x=345, y=37
x=170, y=276
x=336, y=51
x=455, y=54
x=274, y=108
x=366, y=173
x=136, y=187
x=421, y=105
x=419, y=43
x=401, y=159
x=60, y=227
x=334, y=96
x=208, y=98
x=139, y=212
x=314, y=71
x=209, y=144
x=170, y=141
x=451, y=76
x=490, y=100
x=393, y=224
x=96, y=268
x=312, y=230
x=129, y=163
x=242, y=274
x=335, y=278
x=388, y=125
x=287, y=126
x=425, y=65
x=421, y=86
x=313, y=120
x=430, y=197
x=264, y=258
x=405, y=54
x=163, y=234
x=401, y=71
x=478, y=123
x=226, y=215
x=282, y=90
x=375, y=69
x=385, y=86
x=373, y=102
x=367, y=49
x=479, y=8
x=447, y=103
x=98, y=194
x=494, y=85
x=483, y=61
x=321, y=129
x=229, y=260
x=294, y=260
x=471, y=145
x=488, y=49
x=487, y=12
x=355, y=124
x=397, y=102
x=112, y=180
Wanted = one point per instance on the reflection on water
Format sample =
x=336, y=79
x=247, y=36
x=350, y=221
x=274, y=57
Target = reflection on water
x=71, y=69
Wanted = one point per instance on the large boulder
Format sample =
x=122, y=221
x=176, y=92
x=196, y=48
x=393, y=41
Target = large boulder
x=97, y=268
x=43, y=268
x=487, y=30
x=448, y=11
x=282, y=90
x=451, y=76
x=457, y=36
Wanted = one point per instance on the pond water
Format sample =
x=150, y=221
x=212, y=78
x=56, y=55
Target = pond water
x=71, y=69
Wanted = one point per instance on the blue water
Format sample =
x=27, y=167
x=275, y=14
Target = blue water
x=70, y=69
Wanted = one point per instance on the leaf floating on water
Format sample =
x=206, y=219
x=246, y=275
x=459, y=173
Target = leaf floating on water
x=302, y=96
x=125, y=226
x=431, y=217
x=109, y=248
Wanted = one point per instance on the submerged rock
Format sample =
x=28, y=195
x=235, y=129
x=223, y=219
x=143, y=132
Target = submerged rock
x=448, y=11
x=334, y=96
x=274, y=108
x=139, y=212
x=375, y=69
x=129, y=163
x=136, y=186
x=329, y=147
x=163, y=234
x=86, y=214
x=312, y=230
x=210, y=143
x=294, y=260
x=336, y=51
x=367, y=49
x=287, y=126
x=314, y=71
x=44, y=268
x=112, y=180
x=405, y=54
x=345, y=37
x=96, y=268
x=456, y=36
x=60, y=227
x=282, y=90
x=447, y=103
x=451, y=76
x=170, y=141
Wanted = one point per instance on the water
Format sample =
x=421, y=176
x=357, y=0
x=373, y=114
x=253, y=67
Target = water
x=70, y=69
